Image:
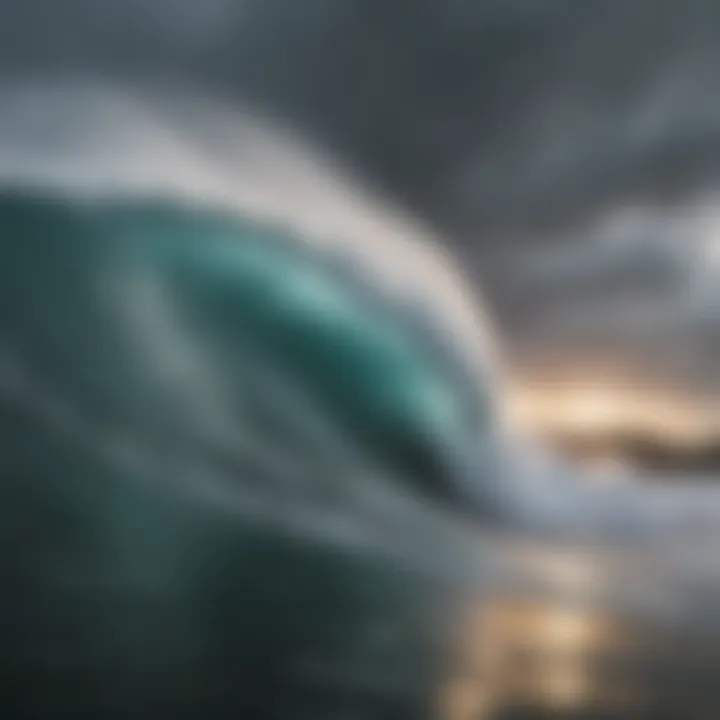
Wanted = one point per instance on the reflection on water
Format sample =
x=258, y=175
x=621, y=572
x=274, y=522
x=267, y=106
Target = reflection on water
x=580, y=650
x=519, y=654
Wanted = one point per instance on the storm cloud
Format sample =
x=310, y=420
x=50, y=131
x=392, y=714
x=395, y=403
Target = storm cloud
x=569, y=152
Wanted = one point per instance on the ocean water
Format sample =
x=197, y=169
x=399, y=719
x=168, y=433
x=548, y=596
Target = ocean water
x=206, y=514
x=186, y=533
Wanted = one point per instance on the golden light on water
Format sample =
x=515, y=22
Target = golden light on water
x=565, y=635
x=570, y=572
x=525, y=654
x=540, y=653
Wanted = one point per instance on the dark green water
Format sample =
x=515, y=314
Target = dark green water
x=179, y=538
x=229, y=488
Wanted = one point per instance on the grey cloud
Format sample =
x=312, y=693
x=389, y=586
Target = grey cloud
x=501, y=114
x=642, y=293
x=516, y=127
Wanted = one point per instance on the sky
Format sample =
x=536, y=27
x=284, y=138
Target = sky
x=568, y=152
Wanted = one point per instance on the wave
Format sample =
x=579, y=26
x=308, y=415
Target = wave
x=202, y=334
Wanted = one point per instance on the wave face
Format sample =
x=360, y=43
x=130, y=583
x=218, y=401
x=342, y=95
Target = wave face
x=203, y=516
x=206, y=426
x=238, y=462
x=232, y=336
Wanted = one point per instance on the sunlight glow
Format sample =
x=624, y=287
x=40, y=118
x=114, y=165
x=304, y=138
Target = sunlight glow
x=593, y=410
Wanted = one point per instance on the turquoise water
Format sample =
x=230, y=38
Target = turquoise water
x=204, y=438
x=238, y=481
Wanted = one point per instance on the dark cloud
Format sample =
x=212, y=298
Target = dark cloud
x=505, y=113
x=640, y=295
x=553, y=142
